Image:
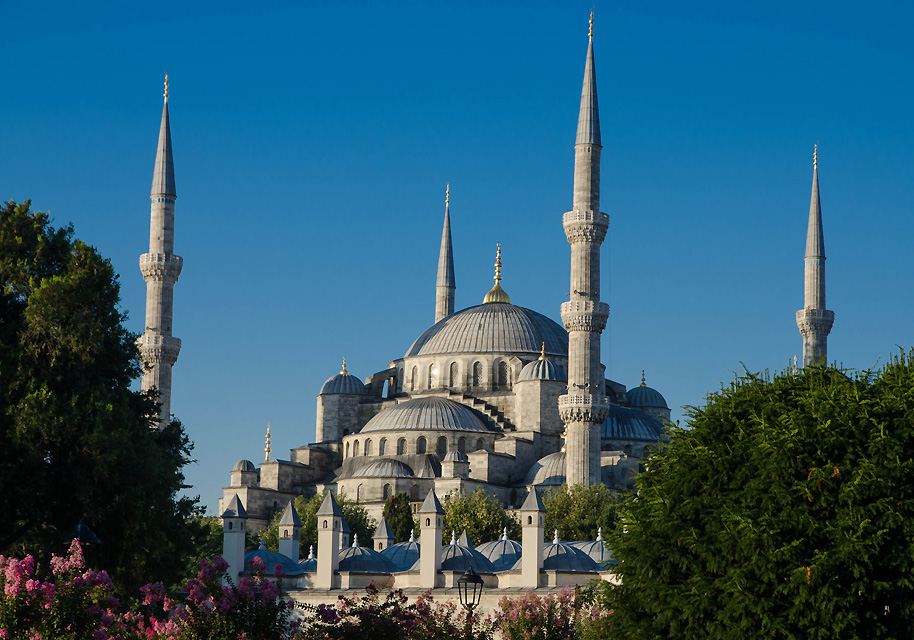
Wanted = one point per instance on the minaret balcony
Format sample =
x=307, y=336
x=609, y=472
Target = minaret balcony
x=585, y=315
x=161, y=266
x=583, y=408
x=156, y=348
x=815, y=321
x=585, y=225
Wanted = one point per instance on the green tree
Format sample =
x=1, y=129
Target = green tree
x=75, y=440
x=481, y=515
x=354, y=513
x=784, y=510
x=399, y=516
x=579, y=512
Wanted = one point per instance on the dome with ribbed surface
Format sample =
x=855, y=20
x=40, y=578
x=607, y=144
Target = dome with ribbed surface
x=426, y=414
x=344, y=383
x=548, y=470
x=628, y=424
x=455, y=456
x=502, y=553
x=270, y=559
x=403, y=555
x=645, y=397
x=541, y=370
x=244, y=465
x=496, y=327
x=385, y=468
x=561, y=556
x=356, y=559
x=455, y=557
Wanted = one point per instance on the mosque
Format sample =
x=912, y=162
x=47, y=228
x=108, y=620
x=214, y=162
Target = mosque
x=496, y=396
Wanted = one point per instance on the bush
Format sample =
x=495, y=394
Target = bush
x=552, y=617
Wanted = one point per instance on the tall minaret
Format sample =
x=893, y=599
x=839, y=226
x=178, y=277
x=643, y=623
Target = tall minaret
x=161, y=268
x=814, y=320
x=584, y=408
x=446, y=284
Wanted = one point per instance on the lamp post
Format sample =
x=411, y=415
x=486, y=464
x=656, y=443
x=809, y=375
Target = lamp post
x=469, y=586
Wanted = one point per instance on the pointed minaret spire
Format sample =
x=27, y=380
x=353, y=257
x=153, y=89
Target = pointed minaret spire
x=447, y=283
x=584, y=408
x=814, y=320
x=161, y=268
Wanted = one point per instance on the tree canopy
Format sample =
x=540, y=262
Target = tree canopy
x=785, y=509
x=399, y=517
x=580, y=512
x=75, y=441
x=480, y=514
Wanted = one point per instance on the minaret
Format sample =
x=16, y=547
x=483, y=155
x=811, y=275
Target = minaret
x=814, y=320
x=584, y=408
x=446, y=284
x=161, y=268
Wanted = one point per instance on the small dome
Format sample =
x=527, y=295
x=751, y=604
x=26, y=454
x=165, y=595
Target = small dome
x=541, y=370
x=356, y=559
x=561, y=556
x=344, y=383
x=385, y=468
x=244, y=465
x=597, y=551
x=426, y=414
x=548, y=470
x=502, y=553
x=403, y=555
x=455, y=557
x=271, y=559
x=309, y=563
x=456, y=456
x=629, y=424
x=645, y=397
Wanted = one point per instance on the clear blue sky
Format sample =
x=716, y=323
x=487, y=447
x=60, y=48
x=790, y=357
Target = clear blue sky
x=312, y=145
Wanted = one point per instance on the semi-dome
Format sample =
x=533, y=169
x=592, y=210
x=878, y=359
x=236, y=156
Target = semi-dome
x=426, y=414
x=244, y=465
x=403, y=555
x=502, y=553
x=270, y=559
x=541, y=370
x=494, y=327
x=645, y=397
x=385, y=468
x=344, y=383
x=628, y=424
x=548, y=470
x=455, y=456
x=356, y=559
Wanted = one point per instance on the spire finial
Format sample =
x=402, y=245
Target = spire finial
x=643, y=383
x=498, y=263
x=815, y=155
x=590, y=33
x=543, y=352
x=166, y=86
x=555, y=537
x=497, y=294
x=343, y=370
x=447, y=196
x=267, y=448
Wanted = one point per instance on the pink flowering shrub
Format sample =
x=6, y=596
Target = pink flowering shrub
x=552, y=617
x=594, y=618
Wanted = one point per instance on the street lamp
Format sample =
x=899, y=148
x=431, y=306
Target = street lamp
x=470, y=586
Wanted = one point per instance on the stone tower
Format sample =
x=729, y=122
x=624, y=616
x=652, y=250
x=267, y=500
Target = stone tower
x=584, y=408
x=161, y=268
x=446, y=283
x=814, y=320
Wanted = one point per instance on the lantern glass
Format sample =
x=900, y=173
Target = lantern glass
x=469, y=587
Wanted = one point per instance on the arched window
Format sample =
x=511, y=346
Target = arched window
x=355, y=449
x=382, y=446
x=368, y=447
x=627, y=449
x=387, y=491
x=501, y=380
x=401, y=446
x=452, y=380
x=420, y=445
x=414, y=381
x=462, y=445
x=477, y=374
x=442, y=447
x=432, y=376
x=347, y=450
x=358, y=493
x=480, y=444
x=414, y=493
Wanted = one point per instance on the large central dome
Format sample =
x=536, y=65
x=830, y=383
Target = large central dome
x=495, y=327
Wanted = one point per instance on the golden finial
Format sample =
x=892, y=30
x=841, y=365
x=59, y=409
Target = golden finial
x=343, y=370
x=815, y=155
x=269, y=439
x=447, y=196
x=564, y=437
x=591, y=24
x=643, y=383
x=497, y=294
x=543, y=352
x=166, y=86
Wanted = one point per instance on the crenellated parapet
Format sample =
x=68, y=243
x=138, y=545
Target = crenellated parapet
x=161, y=267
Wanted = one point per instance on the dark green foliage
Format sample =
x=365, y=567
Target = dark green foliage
x=399, y=517
x=208, y=537
x=580, y=512
x=75, y=441
x=481, y=515
x=354, y=513
x=785, y=510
